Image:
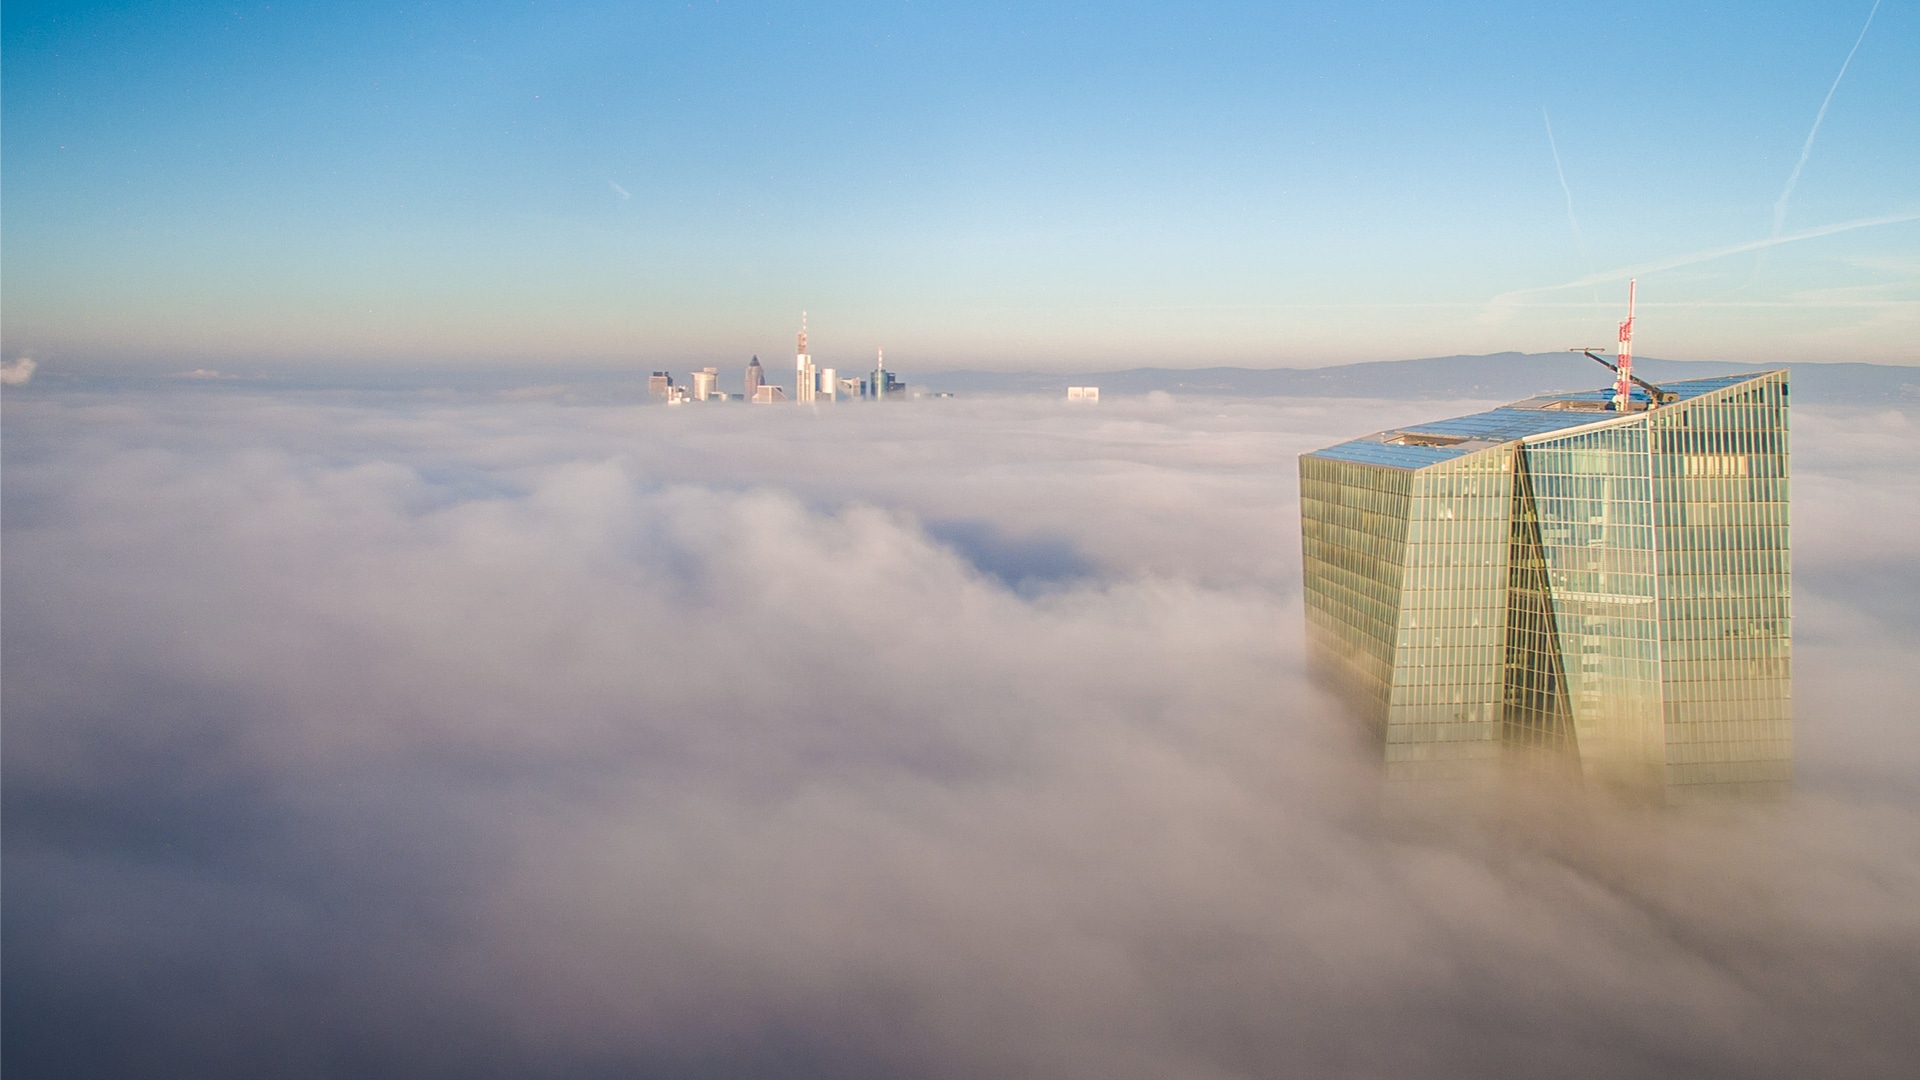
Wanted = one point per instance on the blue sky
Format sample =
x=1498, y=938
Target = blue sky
x=1018, y=186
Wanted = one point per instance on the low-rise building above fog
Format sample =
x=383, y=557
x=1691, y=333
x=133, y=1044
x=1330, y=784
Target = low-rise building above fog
x=1563, y=581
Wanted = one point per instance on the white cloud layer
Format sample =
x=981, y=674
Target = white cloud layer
x=423, y=736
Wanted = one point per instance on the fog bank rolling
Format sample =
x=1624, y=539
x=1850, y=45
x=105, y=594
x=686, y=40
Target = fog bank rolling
x=417, y=734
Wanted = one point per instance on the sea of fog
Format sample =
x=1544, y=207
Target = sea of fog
x=528, y=734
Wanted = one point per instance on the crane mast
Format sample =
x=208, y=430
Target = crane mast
x=1623, y=381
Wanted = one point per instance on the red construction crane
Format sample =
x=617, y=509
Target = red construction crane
x=1623, y=382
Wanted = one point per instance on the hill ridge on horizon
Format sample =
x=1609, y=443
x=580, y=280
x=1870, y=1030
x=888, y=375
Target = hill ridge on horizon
x=1512, y=375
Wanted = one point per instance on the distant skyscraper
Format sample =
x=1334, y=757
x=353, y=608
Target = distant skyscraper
x=756, y=377
x=705, y=382
x=660, y=386
x=882, y=382
x=806, y=380
x=1563, y=581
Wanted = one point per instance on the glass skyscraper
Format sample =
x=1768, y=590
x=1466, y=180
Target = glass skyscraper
x=1558, y=585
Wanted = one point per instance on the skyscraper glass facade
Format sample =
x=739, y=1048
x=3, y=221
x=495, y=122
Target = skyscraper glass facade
x=1554, y=584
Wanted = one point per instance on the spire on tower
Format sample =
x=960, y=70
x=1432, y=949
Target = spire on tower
x=806, y=377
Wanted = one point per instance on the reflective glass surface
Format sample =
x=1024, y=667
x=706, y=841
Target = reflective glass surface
x=1607, y=590
x=1720, y=469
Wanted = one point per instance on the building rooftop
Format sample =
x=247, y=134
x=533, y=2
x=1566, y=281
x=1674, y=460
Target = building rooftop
x=1417, y=446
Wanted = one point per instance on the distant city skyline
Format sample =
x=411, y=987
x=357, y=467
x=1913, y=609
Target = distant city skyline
x=1054, y=187
x=812, y=383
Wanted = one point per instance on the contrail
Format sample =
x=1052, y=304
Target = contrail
x=1677, y=261
x=1565, y=190
x=618, y=190
x=1780, y=207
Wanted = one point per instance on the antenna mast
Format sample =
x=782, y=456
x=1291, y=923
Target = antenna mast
x=1623, y=383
